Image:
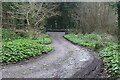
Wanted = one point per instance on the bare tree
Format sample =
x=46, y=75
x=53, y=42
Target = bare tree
x=34, y=14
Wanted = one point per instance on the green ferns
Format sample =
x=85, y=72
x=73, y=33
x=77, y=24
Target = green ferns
x=108, y=49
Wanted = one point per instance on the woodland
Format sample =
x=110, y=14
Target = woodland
x=94, y=25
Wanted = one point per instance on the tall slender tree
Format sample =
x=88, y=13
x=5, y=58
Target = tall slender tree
x=118, y=22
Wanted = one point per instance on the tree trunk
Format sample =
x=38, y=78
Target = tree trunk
x=119, y=23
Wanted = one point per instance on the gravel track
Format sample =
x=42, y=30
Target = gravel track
x=65, y=61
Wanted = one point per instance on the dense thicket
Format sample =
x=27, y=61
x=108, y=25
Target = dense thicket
x=95, y=17
x=83, y=17
x=27, y=17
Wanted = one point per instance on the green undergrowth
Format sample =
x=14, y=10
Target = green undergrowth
x=43, y=39
x=16, y=48
x=9, y=35
x=105, y=45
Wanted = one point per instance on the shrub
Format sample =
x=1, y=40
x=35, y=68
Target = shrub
x=9, y=35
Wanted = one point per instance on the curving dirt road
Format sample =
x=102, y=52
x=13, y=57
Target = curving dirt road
x=65, y=61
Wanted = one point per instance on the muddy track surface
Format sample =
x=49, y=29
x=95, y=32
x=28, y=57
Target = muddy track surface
x=65, y=61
